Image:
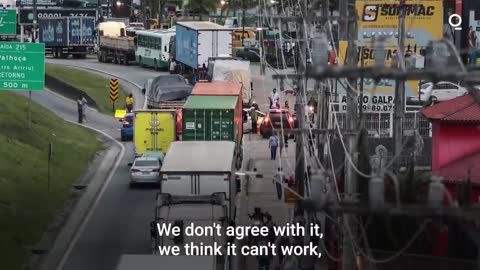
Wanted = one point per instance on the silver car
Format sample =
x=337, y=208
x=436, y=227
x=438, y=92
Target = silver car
x=145, y=170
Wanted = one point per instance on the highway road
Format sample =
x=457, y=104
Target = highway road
x=131, y=73
x=120, y=222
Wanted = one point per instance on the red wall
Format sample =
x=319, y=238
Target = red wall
x=453, y=142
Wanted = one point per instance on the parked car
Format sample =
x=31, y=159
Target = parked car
x=273, y=120
x=145, y=170
x=126, y=132
x=251, y=54
x=440, y=91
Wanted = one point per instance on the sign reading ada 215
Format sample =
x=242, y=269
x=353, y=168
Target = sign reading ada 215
x=370, y=103
x=22, y=66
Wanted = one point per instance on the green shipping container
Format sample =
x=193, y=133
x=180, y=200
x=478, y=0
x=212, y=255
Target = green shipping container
x=211, y=118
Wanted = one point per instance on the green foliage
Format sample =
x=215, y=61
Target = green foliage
x=26, y=206
x=202, y=7
x=95, y=86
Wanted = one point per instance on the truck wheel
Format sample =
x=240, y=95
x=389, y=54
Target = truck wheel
x=82, y=56
x=125, y=60
x=63, y=55
x=99, y=57
x=115, y=58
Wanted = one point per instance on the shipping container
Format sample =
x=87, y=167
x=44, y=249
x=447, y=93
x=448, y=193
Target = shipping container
x=197, y=41
x=220, y=89
x=64, y=36
x=214, y=118
x=153, y=130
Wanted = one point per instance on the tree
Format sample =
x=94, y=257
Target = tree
x=202, y=7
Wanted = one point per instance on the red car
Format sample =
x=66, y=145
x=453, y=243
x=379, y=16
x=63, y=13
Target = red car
x=273, y=121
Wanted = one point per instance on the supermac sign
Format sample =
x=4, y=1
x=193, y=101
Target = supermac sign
x=371, y=12
x=424, y=19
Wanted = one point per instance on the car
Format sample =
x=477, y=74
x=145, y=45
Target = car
x=273, y=120
x=251, y=54
x=440, y=91
x=145, y=170
x=158, y=155
x=126, y=132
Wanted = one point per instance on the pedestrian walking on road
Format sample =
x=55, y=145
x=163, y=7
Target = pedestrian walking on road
x=129, y=103
x=254, y=117
x=273, y=145
x=282, y=144
x=84, y=108
x=80, y=110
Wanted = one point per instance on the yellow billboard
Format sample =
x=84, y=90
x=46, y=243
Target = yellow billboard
x=423, y=21
x=380, y=19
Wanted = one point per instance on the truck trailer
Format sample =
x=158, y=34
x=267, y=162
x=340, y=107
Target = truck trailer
x=197, y=41
x=64, y=36
x=153, y=131
x=214, y=118
x=114, y=45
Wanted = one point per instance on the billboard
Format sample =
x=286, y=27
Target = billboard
x=380, y=19
x=26, y=14
x=423, y=21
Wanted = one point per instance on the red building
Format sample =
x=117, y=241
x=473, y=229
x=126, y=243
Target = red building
x=456, y=142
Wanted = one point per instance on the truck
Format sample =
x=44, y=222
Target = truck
x=153, y=130
x=114, y=45
x=214, y=118
x=64, y=36
x=230, y=69
x=197, y=41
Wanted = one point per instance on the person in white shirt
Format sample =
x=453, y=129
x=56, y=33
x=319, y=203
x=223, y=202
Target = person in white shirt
x=274, y=98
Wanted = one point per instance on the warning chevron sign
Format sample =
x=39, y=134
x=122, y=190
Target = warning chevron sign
x=114, y=90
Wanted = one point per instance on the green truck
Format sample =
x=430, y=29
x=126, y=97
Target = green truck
x=214, y=118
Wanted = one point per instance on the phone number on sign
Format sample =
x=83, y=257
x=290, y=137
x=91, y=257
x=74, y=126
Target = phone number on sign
x=373, y=108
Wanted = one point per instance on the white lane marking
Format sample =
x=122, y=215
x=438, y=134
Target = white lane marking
x=80, y=230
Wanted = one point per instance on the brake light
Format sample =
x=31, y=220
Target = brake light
x=290, y=119
x=134, y=170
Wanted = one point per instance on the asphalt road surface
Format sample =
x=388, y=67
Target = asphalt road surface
x=120, y=223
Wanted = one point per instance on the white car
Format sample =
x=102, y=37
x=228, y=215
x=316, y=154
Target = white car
x=441, y=91
x=145, y=170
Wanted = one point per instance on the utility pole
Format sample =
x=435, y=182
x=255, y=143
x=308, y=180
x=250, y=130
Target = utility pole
x=243, y=22
x=322, y=107
x=299, y=106
x=34, y=37
x=399, y=109
x=349, y=235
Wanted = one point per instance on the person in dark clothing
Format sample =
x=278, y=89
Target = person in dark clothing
x=80, y=110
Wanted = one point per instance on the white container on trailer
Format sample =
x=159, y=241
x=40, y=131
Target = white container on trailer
x=197, y=41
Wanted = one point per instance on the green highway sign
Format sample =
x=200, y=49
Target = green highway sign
x=22, y=66
x=8, y=22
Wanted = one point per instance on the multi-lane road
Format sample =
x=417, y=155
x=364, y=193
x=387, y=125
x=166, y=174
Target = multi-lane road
x=119, y=224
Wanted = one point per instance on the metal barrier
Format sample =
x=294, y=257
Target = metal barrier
x=380, y=125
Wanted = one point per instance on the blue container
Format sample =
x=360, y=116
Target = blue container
x=53, y=31
x=186, y=46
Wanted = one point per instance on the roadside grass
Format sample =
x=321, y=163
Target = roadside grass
x=26, y=206
x=95, y=86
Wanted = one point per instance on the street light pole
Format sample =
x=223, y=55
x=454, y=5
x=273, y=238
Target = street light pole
x=243, y=22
